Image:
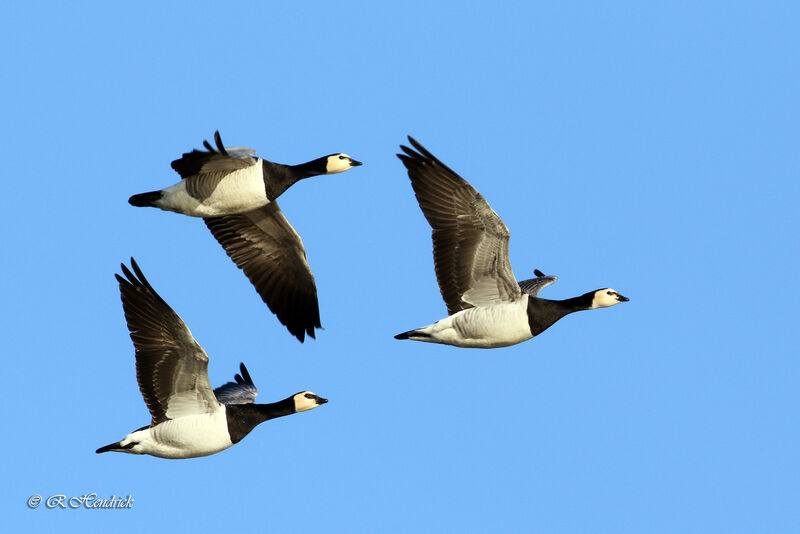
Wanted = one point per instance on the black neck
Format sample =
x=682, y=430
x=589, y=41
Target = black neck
x=314, y=167
x=542, y=313
x=278, y=178
x=242, y=418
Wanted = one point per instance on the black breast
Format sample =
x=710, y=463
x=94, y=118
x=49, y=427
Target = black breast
x=278, y=178
x=241, y=420
x=542, y=313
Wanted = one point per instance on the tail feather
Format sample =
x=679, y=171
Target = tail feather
x=412, y=334
x=145, y=200
x=115, y=447
x=107, y=448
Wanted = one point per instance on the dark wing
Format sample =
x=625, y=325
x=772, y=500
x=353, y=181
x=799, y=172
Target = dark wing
x=532, y=286
x=203, y=169
x=242, y=391
x=213, y=160
x=470, y=241
x=270, y=252
x=171, y=367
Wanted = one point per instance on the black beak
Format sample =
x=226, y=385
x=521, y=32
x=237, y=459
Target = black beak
x=320, y=400
x=622, y=299
x=354, y=163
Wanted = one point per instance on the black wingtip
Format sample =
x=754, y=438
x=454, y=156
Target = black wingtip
x=135, y=281
x=137, y=270
x=245, y=374
x=421, y=149
x=300, y=332
x=136, y=277
x=408, y=151
x=404, y=335
x=129, y=278
x=300, y=335
x=538, y=273
x=420, y=157
x=218, y=141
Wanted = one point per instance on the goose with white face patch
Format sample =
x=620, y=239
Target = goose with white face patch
x=189, y=419
x=487, y=307
x=234, y=192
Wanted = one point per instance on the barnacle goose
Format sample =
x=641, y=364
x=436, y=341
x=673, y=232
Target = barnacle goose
x=234, y=192
x=189, y=419
x=487, y=307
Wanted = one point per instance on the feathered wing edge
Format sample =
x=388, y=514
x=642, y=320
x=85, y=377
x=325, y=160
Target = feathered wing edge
x=470, y=241
x=241, y=391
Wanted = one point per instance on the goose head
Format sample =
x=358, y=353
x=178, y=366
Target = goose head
x=603, y=298
x=339, y=163
x=307, y=400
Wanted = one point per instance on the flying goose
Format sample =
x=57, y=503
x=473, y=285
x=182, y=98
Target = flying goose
x=234, y=192
x=487, y=307
x=188, y=418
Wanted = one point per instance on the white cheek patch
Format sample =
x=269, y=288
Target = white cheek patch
x=336, y=165
x=603, y=300
x=302, y=404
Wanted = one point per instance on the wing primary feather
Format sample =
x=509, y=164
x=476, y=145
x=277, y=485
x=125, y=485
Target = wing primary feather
x=141, y=279
x=470, y=241
x=170, y=364
x=242, y=391
x=424, y=152
x=220, y=146
x=140, y=275
x=265, y=246
x=245, y=375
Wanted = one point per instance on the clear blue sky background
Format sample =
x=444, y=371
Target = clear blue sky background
x=650, y=148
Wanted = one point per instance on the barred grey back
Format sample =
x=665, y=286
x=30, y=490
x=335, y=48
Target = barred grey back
x=532, y=286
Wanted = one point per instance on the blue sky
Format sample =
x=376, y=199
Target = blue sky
x=650, y=148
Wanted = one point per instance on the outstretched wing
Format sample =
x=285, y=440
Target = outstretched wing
x=242, y=391
x=532, y=286
x=470, y=241
x=270, y=252
x=171, y=367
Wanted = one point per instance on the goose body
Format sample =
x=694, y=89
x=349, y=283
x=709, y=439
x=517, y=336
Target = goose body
x=239, y=191
x=484, y=327
x=189, y=419
x=487, y=306
x=234, y=191
x=188, y=437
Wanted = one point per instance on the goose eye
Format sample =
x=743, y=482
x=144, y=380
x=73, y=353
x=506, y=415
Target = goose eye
x=609, y=292
x=341, y=157
x=308, y=396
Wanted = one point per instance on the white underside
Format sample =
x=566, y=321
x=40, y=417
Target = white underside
x=187, y=437
x=485, y=327
x=237, y=192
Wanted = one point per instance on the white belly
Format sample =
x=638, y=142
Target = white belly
x=237, y=192
x=486, y=327
x=185, y=437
